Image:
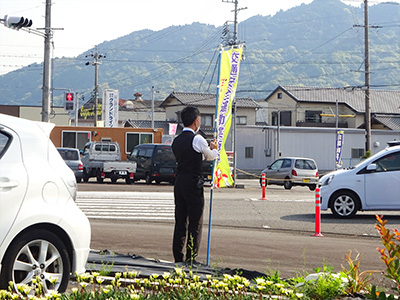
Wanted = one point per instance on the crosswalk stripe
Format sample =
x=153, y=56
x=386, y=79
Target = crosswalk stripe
x=131, y=205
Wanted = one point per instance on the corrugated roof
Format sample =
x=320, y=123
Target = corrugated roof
x=147, y=124
x=205, y=99
x=390, y=121
x=382, y=101
x=139, y=105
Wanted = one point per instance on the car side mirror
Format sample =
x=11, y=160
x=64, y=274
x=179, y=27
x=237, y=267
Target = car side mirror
x=371, y=167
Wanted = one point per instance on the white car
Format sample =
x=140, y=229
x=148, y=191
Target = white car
x=42, y=231
x=374, y=184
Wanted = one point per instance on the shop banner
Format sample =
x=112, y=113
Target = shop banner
x=339, y=147
x=111, y=99
x=227, y=82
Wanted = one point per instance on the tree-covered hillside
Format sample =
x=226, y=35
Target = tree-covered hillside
x=320, y=44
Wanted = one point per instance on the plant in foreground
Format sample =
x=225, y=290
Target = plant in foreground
x=357, y=281
x=390, y=254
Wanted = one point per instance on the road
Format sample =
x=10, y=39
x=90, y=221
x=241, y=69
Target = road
x=262, y=235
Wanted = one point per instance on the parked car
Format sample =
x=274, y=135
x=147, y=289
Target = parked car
x=373, y=184
x=72, y=158
x=102, y=159
x=207, y=166
x=154, y=162
x=43, y=233
x=291, y=171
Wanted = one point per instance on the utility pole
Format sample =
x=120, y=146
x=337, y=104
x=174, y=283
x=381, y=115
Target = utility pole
x=367, y=83
x=47, y=65
x=235, y=23
x=96, y=56
x=152, y=107
x=234, y=42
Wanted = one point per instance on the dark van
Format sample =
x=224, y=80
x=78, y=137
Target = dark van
x=155, y=162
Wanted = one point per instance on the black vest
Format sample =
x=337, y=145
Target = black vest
x=189, y=161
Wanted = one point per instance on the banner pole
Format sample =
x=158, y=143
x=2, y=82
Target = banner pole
x=213, y=164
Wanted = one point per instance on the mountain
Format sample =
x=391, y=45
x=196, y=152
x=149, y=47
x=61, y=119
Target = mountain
x=319, y=44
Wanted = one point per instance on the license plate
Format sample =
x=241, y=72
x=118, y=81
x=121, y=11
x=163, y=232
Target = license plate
x=306, y=180
x=122, y=173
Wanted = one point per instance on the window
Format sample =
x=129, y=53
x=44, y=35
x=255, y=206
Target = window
x=4, y=142
x=285, y=118
x=164, y=154
x=207, y=120
x=313, y=116
x=357, y=152
x=390, y=162
x=305, y=164
x=134, y=139
x=75, y=139
x=277, y=165
x=279, y=95
x=248, y=152
x=105, y=147
x=241, y=120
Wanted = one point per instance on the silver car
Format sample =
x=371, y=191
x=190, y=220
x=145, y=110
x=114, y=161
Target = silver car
x=72, y=158
x=291, y=171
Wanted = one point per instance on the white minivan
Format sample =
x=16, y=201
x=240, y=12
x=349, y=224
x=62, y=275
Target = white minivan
x=374, y=184
x=43, y=233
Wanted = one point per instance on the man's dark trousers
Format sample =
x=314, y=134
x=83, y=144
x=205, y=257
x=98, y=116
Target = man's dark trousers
x=189, y=206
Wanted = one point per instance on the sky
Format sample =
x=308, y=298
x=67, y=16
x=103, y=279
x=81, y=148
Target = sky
x=80, y=25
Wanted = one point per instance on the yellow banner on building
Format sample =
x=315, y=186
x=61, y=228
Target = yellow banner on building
x=227, y=82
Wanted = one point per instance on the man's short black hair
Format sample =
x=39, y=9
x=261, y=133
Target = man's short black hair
x=189, y=114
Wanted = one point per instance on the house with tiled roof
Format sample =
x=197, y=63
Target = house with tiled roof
x=316, y=107
x=245, y=108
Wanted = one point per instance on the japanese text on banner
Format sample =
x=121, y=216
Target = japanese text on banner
x=228, y=78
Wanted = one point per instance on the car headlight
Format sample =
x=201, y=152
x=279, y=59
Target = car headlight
x=326, y=180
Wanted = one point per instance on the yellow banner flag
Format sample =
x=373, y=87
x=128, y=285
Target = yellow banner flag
x=227, y=82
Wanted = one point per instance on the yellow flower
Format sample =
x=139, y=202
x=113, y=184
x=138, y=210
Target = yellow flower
x=260, y=281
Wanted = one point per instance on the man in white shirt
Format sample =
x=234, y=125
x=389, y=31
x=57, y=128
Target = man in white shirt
x=189, y=150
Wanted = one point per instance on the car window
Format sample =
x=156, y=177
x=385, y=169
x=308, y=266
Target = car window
x=105, y=147
x=85, y=151
x=164, y=154
x=4, y=141
x=134, y=153
x=277, y=165
x=69, y=154
x=390, y=162
x=141, y=152
x=305, y=164
x=286, y=163
x=149, y=153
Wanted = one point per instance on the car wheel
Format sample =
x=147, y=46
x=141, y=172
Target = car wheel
x=344, y=204
x=78, y=179
x=38, y=253
x=287, y=184
x=148, y=179
x=128, y=180
x=85, y=176
x=312, y=187
x=99, y=178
